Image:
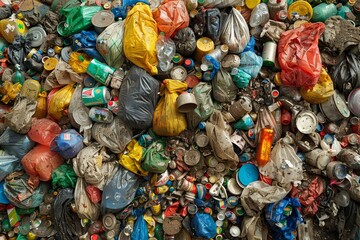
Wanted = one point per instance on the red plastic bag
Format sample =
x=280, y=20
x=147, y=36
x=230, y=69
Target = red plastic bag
x=39, y=163
x=299, y=55
x=171, y=16
x=93, y=193
x=43, y=131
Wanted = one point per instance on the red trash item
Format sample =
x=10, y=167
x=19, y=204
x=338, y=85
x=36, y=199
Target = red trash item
x=171, y=16
x=299, y=55
x=172, y=209
x=39, y=163
x=43, y=131
x=93, y=193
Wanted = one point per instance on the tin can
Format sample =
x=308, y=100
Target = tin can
x=178, y=59
x=269, y=54
x=38, y=36
x=232, y=202
x=211, y=161
x=109, y=221
x=350, y=158
x=51, y=52
x=335, y=107
x=234, y=231
x=95, y=96
x=102, y=115
x=102, y=19
x=336, y=170
x=192, y=157
x=178, y=73
x=100, y=71
x=231, y=216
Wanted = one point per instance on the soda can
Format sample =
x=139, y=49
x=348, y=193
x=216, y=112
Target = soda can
x=102, y=115
x=230, y=216
x=95, y=96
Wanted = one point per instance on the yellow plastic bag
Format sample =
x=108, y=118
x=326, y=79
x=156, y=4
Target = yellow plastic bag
x=131, y=158
x=41, y=107
x=167, y=120
x=79, y=62
x=9, y=91
x=321, y=92
x=12, y=27
x=59, y=103
x=140, y=37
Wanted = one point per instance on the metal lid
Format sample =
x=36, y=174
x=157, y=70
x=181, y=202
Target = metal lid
x=178, y=73
x=192, y=157
x=38, y=36
x=65, y=54
x=341, y=104
x=306, y=122
x=109, y=221
x=234, y=231
x=234, y=187
x=102, y=19
x=171, y=226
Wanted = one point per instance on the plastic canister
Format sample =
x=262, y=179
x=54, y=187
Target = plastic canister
x=335, y=107
x=101, y=20
x=204, y=46
x=269, y=54
x=300, y=9
x=276, y=6
x=336, y=170
x=323, y=11
x=353, y=101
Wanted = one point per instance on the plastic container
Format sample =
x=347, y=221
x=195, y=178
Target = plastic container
x=259, y=15
x=165, y=48
x=275, y=6
x=264, y=147
x=323, y=11
x=302, y=9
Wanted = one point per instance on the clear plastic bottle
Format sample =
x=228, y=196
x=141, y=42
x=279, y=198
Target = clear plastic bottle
x=165, y=48
x=260, y=15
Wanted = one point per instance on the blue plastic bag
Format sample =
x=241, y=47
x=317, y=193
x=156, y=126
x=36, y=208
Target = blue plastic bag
x=3, y=198
x=215, y=64
x=129, y=3
x=16, y=144
x=140, y=231
x=67, y=144
x=8, y=164
x=204, y=225
x=250, y=63
x=240, y=78
x=251, y=45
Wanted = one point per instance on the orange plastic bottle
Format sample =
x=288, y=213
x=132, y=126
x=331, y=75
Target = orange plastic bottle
x=264, y=147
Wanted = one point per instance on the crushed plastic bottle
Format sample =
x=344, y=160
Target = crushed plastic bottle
x=259, y=16
x=165, y=48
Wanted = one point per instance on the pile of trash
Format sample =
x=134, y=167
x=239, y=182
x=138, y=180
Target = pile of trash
x=179, y=119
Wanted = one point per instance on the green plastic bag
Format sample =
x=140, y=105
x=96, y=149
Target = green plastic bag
x=64, y=177
x=77, y=19
x=155, y=160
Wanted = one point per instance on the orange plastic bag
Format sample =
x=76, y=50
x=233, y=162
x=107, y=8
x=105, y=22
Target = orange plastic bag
x=43, y=131
x=39, y=163
x=171, y=16
x=299, y=55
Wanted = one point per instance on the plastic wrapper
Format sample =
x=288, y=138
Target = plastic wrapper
x=15, y=144
x=120, y=191
x=223, y=88
x=110, y=44
x=235, y=32
x=346, y=74
x=185, y=41
x=19, y=118
x=43, y=131
x=3, y=199
x=140, y=231
x=167, y=120
x=59, y=103
x=204, y=225
x=63, y=177
x=285, y=166
x=205, y=107
x=115, y=135
x=93, y=193
x=77, y=112
x=171, y=16
x=322, y=90
x=8, y=164
x=21, y=194
x=79, y=62
x=250, y=228
x=77, y=18
x=137, y=98
x=67, y=144
x=299, y=55
x=140, y=37
x=85, y=208
x=257, y=194
x=62, y=75
x=41, y=106
x=50, y=22
x=39, y=163
x=250, y=63
x=155, y=160
x=218, y=132
x=131, y=158
x=265, y=118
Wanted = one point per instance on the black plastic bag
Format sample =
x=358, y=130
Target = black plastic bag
x=16, y=144
x=213, y=24
x=346, y=74
x=185, y=41
x=138, y=96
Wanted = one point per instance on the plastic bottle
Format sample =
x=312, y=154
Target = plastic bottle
x=264, y=147
x=165, y=48
x=217, y=54
x=260, y=15
x=276, y=6
x=18, y=76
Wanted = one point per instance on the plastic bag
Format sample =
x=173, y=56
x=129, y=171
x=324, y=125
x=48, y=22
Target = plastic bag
x=115, y=135
x=235, y=32
x=79, y=62
x=60, y=102
x=15, y=144
x=131, y=158
x=110, y=44
x=250, y=63
x=218, y=132
x=167, y=120
x=3, y=199
x=204, y=225
x=39, y=163
x=8, y=164
x=284, y=166
x=20, y=194
x=265, y=118
x=140, y=37
x=223, y=3
x=41, y=106
x=67, y=144
x=85, y=208
x=214, y=23
x=93, y=193
x=185, y=41
x=63, y=177
x=252, y=227
x=171, y=16
x=346, y=74
x=43, y=131
x=299, y=55
x=205, y=107
x=137, y=98
x=140, y=231
x=241, y=78
x=224, y=89
x=77, y=19
x=77, y=112
x=120, y=190
x=155, y=160
x=19, y=118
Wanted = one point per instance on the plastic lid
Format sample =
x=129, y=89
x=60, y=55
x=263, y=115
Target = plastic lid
x=301, y=8
x=251, y=4
x=248, y=173
x=235, y=231
x=50, y=64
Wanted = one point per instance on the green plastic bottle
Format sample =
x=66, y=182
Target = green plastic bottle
x=159, y=233
x=18, y=76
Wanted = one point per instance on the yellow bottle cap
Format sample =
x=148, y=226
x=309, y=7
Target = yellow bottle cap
x=251, y=4
x=50, y=64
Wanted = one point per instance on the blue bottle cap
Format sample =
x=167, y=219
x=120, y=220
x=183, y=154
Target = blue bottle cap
x=202, y=125
x=248, y=173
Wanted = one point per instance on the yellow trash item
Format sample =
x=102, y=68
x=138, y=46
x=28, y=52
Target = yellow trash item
x=301, y=8
x=59, y=103
x=41, y=107
x=204, y=46
x=9, y=91
x=12, y=27
x=150, y=224
x=251, y=4
x=79, y=62
x=131, y=158
x=31, y=89
x=50, y=64
x=167, y=121
x=140, y=37
x=322, y=90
